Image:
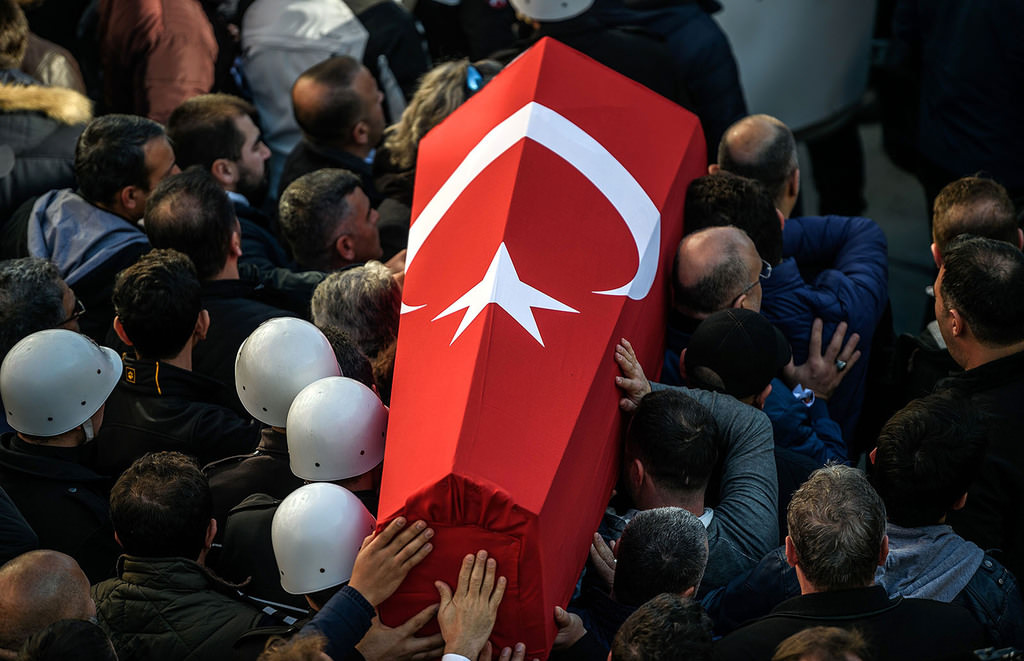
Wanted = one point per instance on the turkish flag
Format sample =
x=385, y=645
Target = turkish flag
x=546, y=214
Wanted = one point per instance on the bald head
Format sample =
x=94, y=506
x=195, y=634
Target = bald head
x=762, y=148
x=37, y=589
x=713, y=267
x=337, y=103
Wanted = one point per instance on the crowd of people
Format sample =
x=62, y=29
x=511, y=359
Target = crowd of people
x=205, y=207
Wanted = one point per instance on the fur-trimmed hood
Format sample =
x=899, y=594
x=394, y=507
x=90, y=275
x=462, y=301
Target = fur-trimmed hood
x=63, y=105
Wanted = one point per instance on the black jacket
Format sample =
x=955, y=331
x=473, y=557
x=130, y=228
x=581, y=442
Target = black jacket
x=157, y=406
x=65, y=502
x=266, y=470
x=994, y=515
x=40, y=125
x=896, y=629
x=307, y=157
x=236, y=308
x=264, y=260
x=16, y=537
x=248, y=551
x=170, y=609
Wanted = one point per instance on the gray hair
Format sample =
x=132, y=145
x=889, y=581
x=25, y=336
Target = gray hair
x=31, y=299
x=837, y=523
x=364, y=302
x=661, y=550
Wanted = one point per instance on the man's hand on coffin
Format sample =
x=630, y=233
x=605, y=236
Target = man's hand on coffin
x=467, y=616
x=570, y=629
x=382, y=642
x=821, y=372
x=385, y=559
x=633, y=384
x=507, y=654
x=602, y=558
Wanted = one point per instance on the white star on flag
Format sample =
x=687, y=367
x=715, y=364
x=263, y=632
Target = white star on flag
x=501, y=285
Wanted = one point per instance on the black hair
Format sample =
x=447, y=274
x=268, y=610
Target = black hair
x=983, y=279
x=31, y=299
x=661, y=550
x=311, y=210
x=190, y=212
x=723, y=198
x=161, y=507
x=203, y=129
x=928, y=454
x=666, y=628
x=81, y=640
x=338, y=108
x=158, y=301
x=676, y=439
x=110, y=155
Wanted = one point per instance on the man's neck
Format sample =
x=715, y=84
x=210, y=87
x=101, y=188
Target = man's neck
x=115, y=210
x=229, y=272
x=979, y=355
x=71, y=439
x=182, y=361
x=693, y=501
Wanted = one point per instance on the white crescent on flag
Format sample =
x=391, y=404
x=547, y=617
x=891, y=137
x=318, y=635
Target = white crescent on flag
x=550, y=129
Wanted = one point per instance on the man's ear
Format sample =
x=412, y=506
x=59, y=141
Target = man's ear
x=760, y=398
x=132, y=198
x=1020, y=239
x=637, y=473
x=119, y=329
x=682, y=365
x=211, y=532
x=689, y=592
x=118, y=540
x=793, y=184
x=937, y=256
x=791, y=558
x=361, y=133
x=960, y=503
x=236, y=243
x=225, y=172
x=872, y=455
x=345, y=248
x=713, y=168
x=957, y=323
x=883, y=553
x=782, y=218
x=202, y=325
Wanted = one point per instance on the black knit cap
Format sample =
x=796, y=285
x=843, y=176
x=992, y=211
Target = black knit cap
x=742, y=348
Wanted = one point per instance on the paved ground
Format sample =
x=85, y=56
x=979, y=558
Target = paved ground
x=896, y=202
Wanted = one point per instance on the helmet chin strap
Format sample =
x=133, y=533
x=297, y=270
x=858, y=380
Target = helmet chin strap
x=87, y=428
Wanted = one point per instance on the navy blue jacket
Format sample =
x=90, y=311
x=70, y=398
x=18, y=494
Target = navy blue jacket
x=835, y=268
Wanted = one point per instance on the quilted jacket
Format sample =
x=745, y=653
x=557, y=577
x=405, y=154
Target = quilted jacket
x=170, y=609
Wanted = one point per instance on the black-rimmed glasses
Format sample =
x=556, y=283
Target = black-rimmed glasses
x=766, y=272
x=76, y=313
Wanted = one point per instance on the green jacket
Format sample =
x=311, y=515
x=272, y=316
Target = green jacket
x=170, y=609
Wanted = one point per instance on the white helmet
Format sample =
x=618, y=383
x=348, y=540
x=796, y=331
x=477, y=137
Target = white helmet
x=551, y=10
x=336, y=430
x=316, y=533
x=54, y=380
x=276, y=361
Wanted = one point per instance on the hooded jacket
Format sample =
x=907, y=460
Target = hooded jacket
x=39, y=127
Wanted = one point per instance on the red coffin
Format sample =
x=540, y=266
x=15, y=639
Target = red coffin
x=547, y=212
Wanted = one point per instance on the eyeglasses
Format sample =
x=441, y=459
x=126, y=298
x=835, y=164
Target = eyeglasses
x=474, y=81
x=766, y=272
x=76, y=313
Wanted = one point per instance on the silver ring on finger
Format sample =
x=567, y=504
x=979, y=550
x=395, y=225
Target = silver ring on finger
x=840, y=365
